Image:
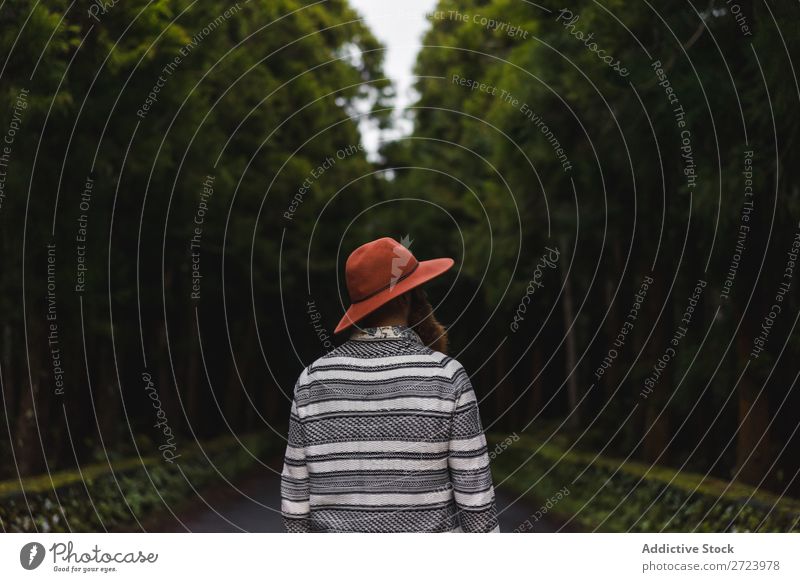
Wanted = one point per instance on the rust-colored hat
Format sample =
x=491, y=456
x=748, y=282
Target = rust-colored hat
x=380, y=271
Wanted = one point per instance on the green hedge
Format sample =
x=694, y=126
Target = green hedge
x=91, y=500
x=665, y=499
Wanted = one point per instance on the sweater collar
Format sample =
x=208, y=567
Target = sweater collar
x=386, y=332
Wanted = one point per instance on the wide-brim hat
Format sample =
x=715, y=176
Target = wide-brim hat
x=380, y=271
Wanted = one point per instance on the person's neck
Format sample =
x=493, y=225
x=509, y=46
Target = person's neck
x=387, y=322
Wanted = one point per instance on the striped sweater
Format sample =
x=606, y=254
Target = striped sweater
x=385, y=436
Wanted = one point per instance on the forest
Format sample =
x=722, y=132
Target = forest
x=666, y=187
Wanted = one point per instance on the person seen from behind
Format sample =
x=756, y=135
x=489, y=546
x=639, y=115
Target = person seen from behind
x=384, y=431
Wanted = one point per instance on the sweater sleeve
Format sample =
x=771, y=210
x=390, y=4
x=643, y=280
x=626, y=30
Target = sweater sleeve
x=295, y=506
x=468, y=462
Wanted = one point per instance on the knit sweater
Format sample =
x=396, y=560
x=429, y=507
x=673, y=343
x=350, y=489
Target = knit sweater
x=385, y=436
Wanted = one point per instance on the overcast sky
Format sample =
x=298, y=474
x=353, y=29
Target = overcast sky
x=399, y=25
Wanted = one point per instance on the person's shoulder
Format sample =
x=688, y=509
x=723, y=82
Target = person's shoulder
x=443, y=363
x=327, y=360
x=450, y=367
x=331, y=360
x=302, y=380
x=343, y=359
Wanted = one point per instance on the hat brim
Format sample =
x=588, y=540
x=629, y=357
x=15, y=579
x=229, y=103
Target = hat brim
x=426, y=271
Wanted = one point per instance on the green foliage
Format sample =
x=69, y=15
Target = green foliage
x=148, y=99
x=615, y=495
x=624, y=208
x=97, y=498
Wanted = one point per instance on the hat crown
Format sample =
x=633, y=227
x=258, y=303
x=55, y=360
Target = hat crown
x=376, y=266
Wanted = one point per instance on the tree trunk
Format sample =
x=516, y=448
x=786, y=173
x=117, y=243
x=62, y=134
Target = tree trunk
x=752, y=456
x=500, y=384
x=9, y=395
x=30, y=459
x=613, y=325
x=236, y=396
x=536, y=398
x=571, y=358
x=192, y=390
x=657, y=415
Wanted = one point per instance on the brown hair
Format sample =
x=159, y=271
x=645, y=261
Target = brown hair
x=422, y=320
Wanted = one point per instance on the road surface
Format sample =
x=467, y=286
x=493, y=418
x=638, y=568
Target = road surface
x=256, y=508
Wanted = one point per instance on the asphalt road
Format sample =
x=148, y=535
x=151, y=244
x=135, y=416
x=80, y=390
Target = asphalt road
x=256, y=508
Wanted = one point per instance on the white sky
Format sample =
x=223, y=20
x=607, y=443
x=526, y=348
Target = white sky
x=399, y=25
